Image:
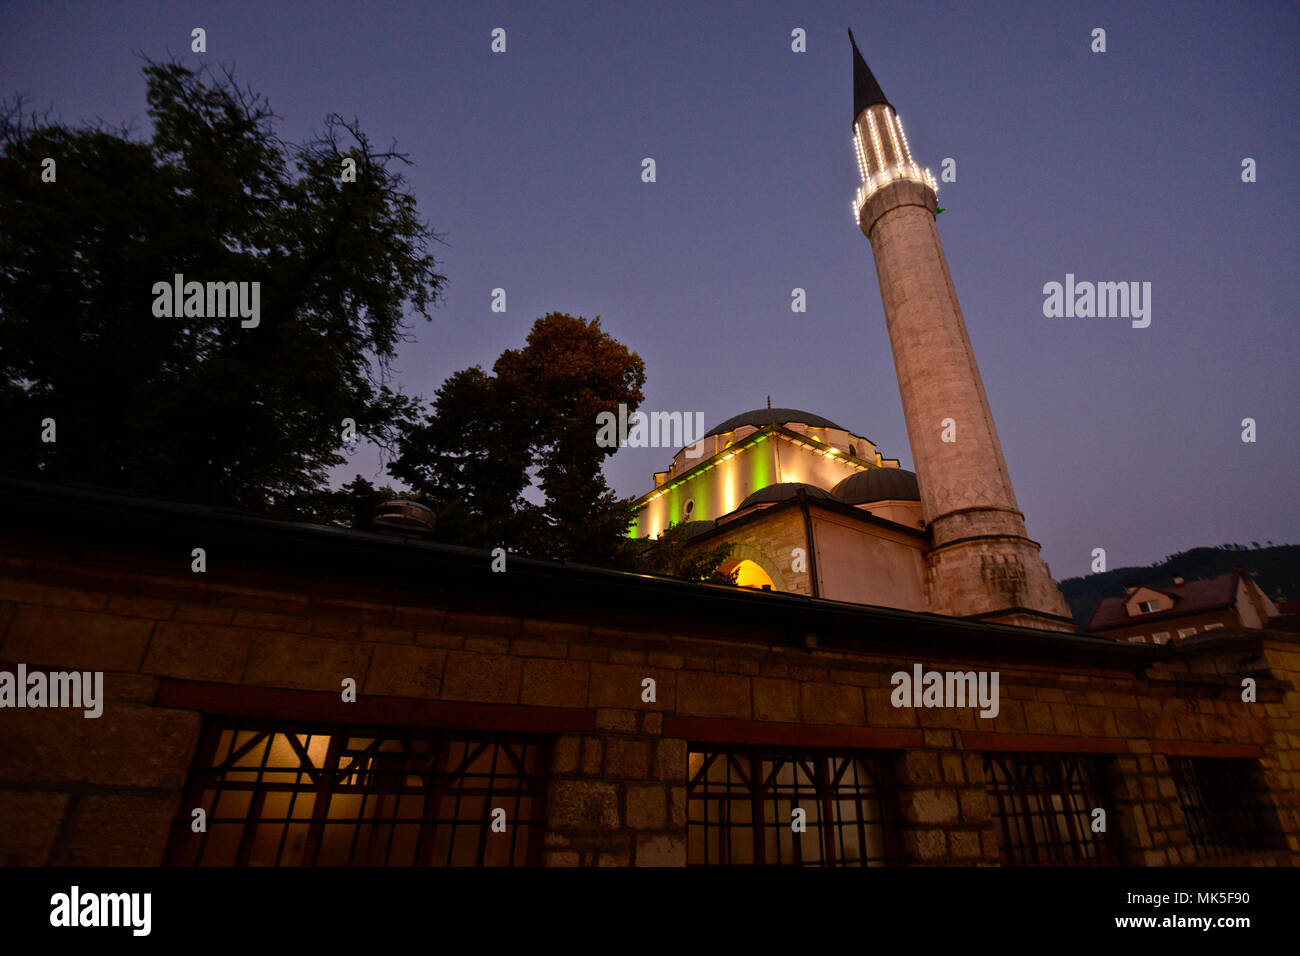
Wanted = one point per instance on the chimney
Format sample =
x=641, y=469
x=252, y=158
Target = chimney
x=407, y=518
x=1178, y=579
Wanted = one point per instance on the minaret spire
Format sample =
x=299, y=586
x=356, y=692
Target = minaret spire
x=981, y=563
x=866, y=91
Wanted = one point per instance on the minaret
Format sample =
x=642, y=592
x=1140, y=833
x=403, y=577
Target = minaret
x=982, y=563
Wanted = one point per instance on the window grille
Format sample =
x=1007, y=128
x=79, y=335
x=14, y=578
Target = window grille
x=1043, y=804
x=740, y=803
x=1223, y=806
x=291, y=795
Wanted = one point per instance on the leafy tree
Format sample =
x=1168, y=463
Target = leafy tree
x=670, y=557
x=351, y=506
x=201, y=406
x=489, y=437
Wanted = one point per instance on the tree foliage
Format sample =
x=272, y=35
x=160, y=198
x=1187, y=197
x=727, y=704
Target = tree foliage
x=531, y=422
x=201, y=407
x=669, y=556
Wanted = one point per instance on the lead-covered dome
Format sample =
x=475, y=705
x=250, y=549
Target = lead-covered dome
x=759, y=417
x=878, y=484
x=782, y=491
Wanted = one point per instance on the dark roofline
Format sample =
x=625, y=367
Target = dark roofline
x=826, y=504
x=1173, y=612
x=92, y=525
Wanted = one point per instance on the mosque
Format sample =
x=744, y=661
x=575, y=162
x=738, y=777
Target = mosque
x=813, y=508
x=326, y=697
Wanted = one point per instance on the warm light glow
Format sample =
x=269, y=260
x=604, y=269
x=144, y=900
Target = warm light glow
x=893, y=137
x=751, y=575
x=875, y=141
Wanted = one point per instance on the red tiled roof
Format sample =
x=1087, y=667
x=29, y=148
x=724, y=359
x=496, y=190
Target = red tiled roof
x=1193, y=597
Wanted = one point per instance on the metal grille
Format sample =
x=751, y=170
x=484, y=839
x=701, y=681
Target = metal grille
x=740, y=803
x=289, y=795
x=1225, y=812
x=1044, y=805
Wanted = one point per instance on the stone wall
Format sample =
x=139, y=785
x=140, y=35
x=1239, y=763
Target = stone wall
x=175, y=645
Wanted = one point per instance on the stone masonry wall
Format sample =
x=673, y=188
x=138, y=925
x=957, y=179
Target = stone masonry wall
x=104, y=791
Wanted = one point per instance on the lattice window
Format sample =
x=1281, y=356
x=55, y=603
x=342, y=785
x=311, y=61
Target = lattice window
x=1224, y=807
x=1044, y=805
x=740, y=803
x=292, y=795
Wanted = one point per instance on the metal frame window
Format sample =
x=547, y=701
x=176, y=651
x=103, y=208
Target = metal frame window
x=1044, y=804
x=277, y=794
x=740, y=803
x=1222, y=803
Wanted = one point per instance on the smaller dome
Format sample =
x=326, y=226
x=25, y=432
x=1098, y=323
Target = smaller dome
x=783, y=491
x=693, y=529
x=878, y=484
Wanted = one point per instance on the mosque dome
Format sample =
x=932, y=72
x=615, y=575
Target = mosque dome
x=878, y=484
x=759, y=417
x=784, y=490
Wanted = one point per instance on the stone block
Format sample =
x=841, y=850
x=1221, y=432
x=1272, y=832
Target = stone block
x=128, y=746
x=305, y=663
x=627, y=758
x=556, y=683
x=775, y=699
x=832, y=704
x=29, y=822
x=397, y=671
x=206, y=652
x=713, y=695
x=81, y=640
x=661, y=850
x=120, y=830
x=481, y=677
x=647, y=807
x=583, y=805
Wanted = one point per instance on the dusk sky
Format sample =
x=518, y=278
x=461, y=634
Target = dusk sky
x=1116, y=166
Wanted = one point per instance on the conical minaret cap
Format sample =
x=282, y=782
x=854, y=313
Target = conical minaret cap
x=866, y=91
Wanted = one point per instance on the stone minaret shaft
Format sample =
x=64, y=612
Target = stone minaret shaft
x=982, y=562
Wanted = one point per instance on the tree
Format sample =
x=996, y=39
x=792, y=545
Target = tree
x=670, y=557
x=199, y=405
x=488, y=438
x=351, y=506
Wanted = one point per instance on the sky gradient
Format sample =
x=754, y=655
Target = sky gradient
x=1122, y=166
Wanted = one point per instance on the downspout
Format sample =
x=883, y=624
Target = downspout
x=812, y=545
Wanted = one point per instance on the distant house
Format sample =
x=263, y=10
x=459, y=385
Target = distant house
x=1151, y=615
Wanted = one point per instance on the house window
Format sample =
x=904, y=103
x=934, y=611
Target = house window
x=1160, y=637
x=1138, y=639
x=1224, y=806
x=1148, y=607
x=741, y=803
x=1210, y=627
x=1186, y=631
x=293, y=795
x=1044, y=805
x=689, y=509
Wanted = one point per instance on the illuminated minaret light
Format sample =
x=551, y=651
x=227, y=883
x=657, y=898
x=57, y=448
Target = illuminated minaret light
x=982, y=564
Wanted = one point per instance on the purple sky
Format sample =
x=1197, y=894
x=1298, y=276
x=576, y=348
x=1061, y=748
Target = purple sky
x=1117, y=166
